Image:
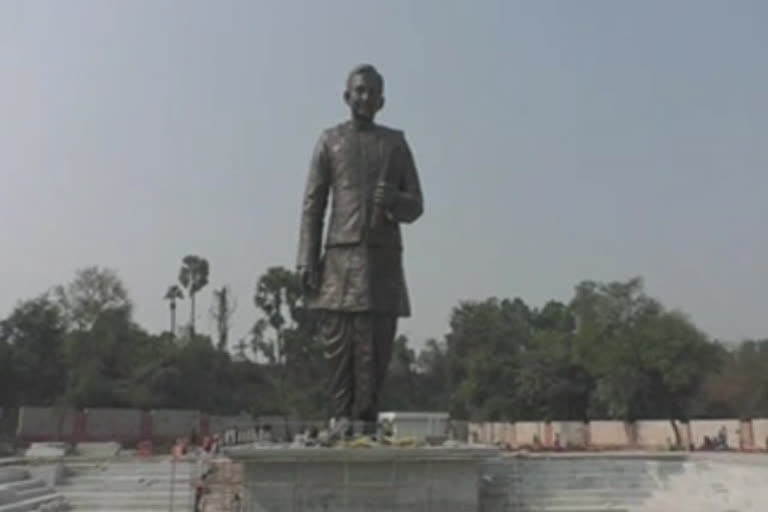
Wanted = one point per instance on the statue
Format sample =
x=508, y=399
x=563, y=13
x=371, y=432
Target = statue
x=357, y=285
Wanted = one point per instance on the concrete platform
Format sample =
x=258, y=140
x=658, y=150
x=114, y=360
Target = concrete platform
x=361, y=479
x=137, y=485
x=21, y=492
x=626, y=482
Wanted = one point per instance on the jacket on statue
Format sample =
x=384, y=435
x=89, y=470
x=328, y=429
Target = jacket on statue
x=361, y=269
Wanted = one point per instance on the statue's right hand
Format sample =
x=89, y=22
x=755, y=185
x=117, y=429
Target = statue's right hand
x=310, y=278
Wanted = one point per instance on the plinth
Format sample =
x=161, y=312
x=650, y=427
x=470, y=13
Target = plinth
x=282, y=479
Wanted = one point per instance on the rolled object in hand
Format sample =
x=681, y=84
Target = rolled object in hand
x=378, y=214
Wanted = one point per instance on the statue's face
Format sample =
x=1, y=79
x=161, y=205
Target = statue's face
x=364, y=95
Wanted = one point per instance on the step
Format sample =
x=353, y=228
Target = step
x=577, y=493
x=585, y=502
x=30, y=504
x=75, y=488
x=132, y=471
x=527, y=507
x=135, y=504
x=124, y=494
x=129, y=487
x=20, y=485
x=129, y=476
x=125, y=476
x=35, y=492
x=160, y=507
x=9, y=475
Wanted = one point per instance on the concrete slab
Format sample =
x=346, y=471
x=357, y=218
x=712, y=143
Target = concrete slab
x=46, y=450
x=98, y=450
x=361, y=479
x=629, y=482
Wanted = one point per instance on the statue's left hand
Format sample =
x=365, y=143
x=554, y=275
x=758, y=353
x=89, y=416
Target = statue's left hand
x=385, y=195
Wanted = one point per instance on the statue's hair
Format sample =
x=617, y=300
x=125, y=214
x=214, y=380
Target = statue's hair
x=366, y=69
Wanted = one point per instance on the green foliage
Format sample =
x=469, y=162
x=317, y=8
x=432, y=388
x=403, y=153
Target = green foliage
x=32, y=339
x=740, y=389
x=221, y=311
x=283, y=336
x=92, y=291
x=193, y=277
x=648, y=362
x=172, y=295
x=611, y=352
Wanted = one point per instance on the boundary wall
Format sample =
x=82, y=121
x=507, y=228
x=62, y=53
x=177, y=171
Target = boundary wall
x=162, y=426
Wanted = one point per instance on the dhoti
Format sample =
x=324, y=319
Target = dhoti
x=358, y=347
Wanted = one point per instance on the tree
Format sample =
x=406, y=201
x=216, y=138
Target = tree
x=648, y=362
x=173, y=294
x=551, y=383
x=223, y=308
x=740, y=388
x=484, y=347
x=31, y=338
x=8, y=387
x=278, y=295
x=401, y=390
x=93, y=291
x=154, y=381
x=611, y=352
x=432, y=372
x=283, y=335
x=193, y=277
x=102, y=359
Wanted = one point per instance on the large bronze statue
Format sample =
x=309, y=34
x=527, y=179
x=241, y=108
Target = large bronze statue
x=357, y=285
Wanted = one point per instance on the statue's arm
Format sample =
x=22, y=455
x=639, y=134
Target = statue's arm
x=409, y=204
x=313, y=207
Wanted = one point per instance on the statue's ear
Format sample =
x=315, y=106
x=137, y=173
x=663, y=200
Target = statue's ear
x=346, y=96
x=381, y=103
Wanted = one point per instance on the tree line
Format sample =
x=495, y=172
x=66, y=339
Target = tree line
x=610, y=352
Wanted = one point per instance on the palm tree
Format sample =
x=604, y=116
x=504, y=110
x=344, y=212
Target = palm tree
x=193, y=276
x=173, y=294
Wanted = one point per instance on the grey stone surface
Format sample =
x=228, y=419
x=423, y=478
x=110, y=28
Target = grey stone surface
x=419, y=479
x=137, y=485
x=50, y=474
x=361, y=479
x=626, y=483
x=12, y=474
x=20, y=492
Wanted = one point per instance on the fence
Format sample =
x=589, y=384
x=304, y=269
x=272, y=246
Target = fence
x=131, y=426
x=747, y=435
x=127, y=426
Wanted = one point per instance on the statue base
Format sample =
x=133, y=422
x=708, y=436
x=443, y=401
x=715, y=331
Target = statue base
x=361, y=479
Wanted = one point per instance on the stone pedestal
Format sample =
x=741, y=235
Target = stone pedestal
x=277, y=479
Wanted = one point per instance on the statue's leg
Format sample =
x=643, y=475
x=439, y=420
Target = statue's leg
x=337, y=332
x=373, y=351
x=384, y=337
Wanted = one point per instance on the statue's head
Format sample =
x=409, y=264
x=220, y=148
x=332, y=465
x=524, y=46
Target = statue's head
x=365, y=92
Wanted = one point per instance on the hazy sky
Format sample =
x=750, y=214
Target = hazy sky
x=556, y=141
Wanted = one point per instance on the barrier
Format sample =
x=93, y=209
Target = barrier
x=132, y=426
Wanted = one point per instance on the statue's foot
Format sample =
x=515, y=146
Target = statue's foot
x=342, y=430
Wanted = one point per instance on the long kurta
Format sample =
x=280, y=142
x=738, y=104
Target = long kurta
x=361, y=269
